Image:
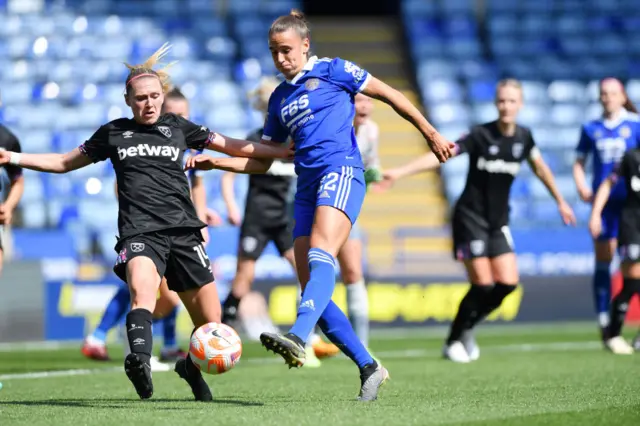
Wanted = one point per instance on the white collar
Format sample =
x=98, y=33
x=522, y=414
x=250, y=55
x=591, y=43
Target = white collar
x=307, y=67
x=612, y=124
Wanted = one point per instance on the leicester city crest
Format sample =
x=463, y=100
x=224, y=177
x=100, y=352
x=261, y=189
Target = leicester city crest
x=165, y=131
x=312, y=84
x=625, y=132
x=517, y=149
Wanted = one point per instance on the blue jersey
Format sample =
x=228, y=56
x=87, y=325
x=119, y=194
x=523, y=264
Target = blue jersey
x=607, y=141
x=316, y=110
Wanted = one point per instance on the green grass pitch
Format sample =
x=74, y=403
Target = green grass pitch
x=527, y=375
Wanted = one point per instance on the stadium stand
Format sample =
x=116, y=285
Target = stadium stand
x=559, y=49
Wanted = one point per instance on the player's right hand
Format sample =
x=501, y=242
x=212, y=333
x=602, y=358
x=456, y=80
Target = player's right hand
x=585, y=195
x=199, y=162
x=595, y=226
x=389, y=177
x=441, y=147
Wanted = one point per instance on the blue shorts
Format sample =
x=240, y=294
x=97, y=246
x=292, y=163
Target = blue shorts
x=610, y=220
x=342, y=188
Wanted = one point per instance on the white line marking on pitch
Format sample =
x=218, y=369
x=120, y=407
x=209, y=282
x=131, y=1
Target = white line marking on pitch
x=407, y=353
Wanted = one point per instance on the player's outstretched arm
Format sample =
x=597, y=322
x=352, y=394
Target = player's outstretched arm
x=419, y=165
x=233, y=164
x=49, y=163
x=243, y=148
x=442, y=148
x=543, y=172
x=599, y=201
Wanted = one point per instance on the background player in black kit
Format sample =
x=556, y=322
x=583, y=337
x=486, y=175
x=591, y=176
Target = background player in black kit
x=481, y=236
x=157, y=222
x=9, y=142
x=628, y=242
x=266, y=216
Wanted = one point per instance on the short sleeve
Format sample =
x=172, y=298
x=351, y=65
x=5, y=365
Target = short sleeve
x=13, y=145
x=196, y=136
x=273, y=128
x=466, y=143
x=97, y=146
x=348, y=75
x=534, y=151
x=584, y=144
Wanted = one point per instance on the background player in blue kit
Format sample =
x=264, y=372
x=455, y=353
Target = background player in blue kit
x=606, y=139
x=315, y=107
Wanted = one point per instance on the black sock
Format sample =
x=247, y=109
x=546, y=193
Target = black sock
x=230, y=308
x=140, y=333
x=189, y=364
x=468, y=310
x=620, y=305
x=492, y=301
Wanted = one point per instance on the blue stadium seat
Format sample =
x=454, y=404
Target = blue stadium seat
x=483, y=112
x=450, y=113
x=567, y=91
x=443, y=90
x=34, y=213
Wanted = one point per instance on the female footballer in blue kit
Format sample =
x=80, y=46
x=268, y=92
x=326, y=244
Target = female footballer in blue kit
x=315, y=107
x=606, y=139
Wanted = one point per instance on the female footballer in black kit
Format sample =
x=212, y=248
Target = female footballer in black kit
x=629, y=243
x=158, y=225
x=481, y=237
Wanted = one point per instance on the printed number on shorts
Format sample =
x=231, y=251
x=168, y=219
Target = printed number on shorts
x=202, y=254
x=328, y=182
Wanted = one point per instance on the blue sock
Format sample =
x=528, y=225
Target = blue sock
x=169, y=329
x=602, y=287
x=113, y=314
x=336, y=326
x=317, y=293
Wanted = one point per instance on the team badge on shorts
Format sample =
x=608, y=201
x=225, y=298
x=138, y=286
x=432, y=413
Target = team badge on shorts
x=494, y=150
x=476, y=247
x=312, y=84
x=249, y=244
x=517, y=149
x=165, y=131
x=137, y=247
x=633, y=251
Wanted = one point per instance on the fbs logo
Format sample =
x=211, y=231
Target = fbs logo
x=144, y=150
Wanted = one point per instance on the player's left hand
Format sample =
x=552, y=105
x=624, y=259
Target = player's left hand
x=566, y=212
x=199, y=162
x=6, y=215
x=441, y=147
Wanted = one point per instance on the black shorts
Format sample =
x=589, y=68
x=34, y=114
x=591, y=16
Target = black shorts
x=256, y=234
x=177, y=253
x=471, y=240
x=629, y=244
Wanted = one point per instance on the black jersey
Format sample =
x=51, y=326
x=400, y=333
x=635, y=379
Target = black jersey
x=153, y=190
x=9, y=142
x=494, y=162
x=267, y=195
x=629, y=170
